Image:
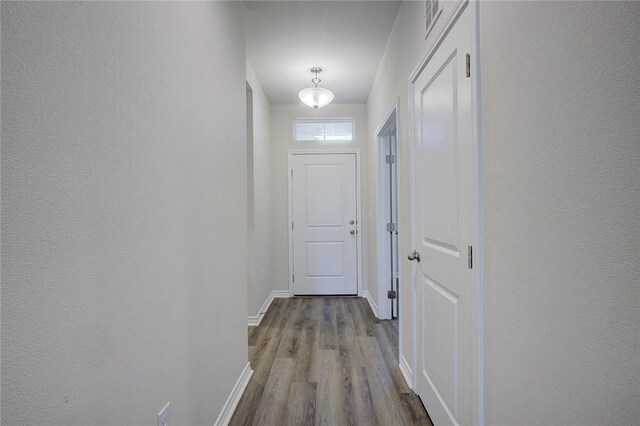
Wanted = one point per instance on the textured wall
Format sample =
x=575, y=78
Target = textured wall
x=282, y=117
x=123, y=210
x=561, y=126
x=261, y=285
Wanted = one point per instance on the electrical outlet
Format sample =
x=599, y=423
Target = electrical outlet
x=163, y=416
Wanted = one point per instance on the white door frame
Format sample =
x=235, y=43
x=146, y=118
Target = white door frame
x=478, y=253
x=359, y=228
x=382, y=249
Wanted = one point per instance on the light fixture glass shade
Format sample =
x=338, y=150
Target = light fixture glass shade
x=316, y=97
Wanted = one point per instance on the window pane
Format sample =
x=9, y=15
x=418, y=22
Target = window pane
x=309, y=131
x=338, y=131
x=324, y=130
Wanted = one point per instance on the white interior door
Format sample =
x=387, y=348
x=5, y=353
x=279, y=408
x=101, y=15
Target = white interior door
x=324, y=213
x=444, y=193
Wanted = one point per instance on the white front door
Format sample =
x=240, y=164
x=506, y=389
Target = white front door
x=324, y=228
x=444, y=195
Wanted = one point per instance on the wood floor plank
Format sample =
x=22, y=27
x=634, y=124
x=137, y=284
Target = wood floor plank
x=252, y=335
x=243, y=416
x=326, y=361
x=292, y=333
x=365, y=414
x=348, y=357
x=380, y=386
x=367, y=319
x=328, y=326
x=264, y=362
x=386, y=376
x=272, y=408
x=415, y=410
x=306, y=362
x=301, y=409
x=390, y=357
x=330, y=409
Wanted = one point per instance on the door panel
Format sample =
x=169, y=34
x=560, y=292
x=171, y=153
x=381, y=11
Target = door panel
x=440, y=154
x=323, y=201
x=325, y=259
x=443, y=191
x=440, y=336
x=325, y=207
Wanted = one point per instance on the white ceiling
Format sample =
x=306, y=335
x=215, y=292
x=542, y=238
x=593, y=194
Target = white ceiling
x=345, y=38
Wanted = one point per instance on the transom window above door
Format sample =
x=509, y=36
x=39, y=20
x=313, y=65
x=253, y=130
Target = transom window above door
x=324, y=129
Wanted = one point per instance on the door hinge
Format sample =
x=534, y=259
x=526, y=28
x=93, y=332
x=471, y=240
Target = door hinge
x=469, y=257
x=291, y=172
x=391, y=227
x=292, y=226
x=391, y=294
x=468, y=65
x=390, y=159
x=293, y=278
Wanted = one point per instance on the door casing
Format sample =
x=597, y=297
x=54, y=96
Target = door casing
x=382, y=247
x=291, y=154
x=477, y=204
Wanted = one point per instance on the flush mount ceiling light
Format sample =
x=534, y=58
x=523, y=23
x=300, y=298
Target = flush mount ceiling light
x=316, y=97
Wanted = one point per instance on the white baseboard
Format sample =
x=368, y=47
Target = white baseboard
x=372, y=303
x=234, y=397
x=280, y=293
x=406, y=371
x=254, y=320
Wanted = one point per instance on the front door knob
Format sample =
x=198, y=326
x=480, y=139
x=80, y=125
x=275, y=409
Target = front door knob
x=414, y=255
x=352, y=232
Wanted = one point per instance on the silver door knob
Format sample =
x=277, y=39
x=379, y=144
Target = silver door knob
x=351, y=222
x=414, y=255
x=352, y=232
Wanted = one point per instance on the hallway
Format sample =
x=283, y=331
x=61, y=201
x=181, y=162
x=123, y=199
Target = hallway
x=193, y=193
x=326, y=361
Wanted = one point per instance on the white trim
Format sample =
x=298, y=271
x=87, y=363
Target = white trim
x=434, y=18
x=478, y=252
x=478, y=282
x=382, y=246
x=280, y=293
x=383, y=126
x=360, y=228
x=372, y=303
x=400, y=154
x=254, y=320
x=406, y=371
x=230, y=405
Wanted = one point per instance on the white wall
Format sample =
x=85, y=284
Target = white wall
x=260, y=285
x=405, y=47
x=561, y=119
x=282, y=117
x=561, y=175
x=123, y=211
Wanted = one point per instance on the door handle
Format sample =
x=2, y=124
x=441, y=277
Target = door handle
x=352, y=232
x=414, y=255
x=351, y=222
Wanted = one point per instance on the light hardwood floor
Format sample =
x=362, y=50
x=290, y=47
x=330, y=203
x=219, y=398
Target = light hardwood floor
x=326, y=361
